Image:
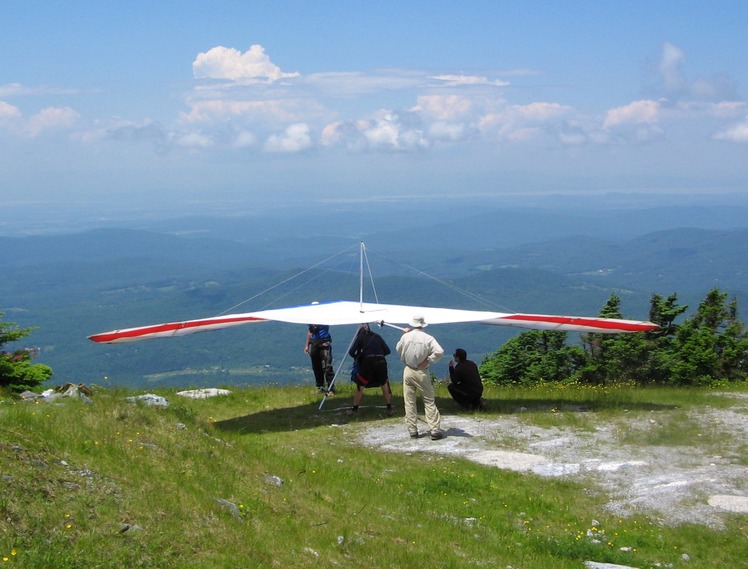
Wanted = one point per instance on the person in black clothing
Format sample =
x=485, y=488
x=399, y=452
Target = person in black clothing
x=465, y=385
x=368, y=351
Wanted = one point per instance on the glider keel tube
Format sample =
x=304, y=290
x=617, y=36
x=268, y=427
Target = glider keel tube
x=572, y=323
x=172, y=329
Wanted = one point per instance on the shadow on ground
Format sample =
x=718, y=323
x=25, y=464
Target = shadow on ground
x=309, y=416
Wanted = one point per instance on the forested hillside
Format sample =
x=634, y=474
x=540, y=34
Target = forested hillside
x=74, y=285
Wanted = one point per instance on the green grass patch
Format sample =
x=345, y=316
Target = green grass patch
x=263, y=478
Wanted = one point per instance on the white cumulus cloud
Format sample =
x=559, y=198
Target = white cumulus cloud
x=194, y=140
x=444, y=107
x=390, y=130
x=675, y=84
x=446, y=131
x=8, y=111
x=11, y=89
x=638, y=112
x=343, y=133
x=541, y=111
x=524, y=122
x=252, y=66
x=295, y=138
x=386, y=130
x=383, y=133
x=51, y=118
x=670, y=68
x=735, y=133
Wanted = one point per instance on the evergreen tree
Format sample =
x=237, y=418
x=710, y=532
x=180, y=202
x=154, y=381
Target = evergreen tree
x=711, y=345
x=644, y=358
x=650, y=362
x=601, y=349
x=16, y=370
x=639, y=358
x=532, y=357
x=663, y=312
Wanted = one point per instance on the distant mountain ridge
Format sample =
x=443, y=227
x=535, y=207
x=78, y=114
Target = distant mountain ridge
x=112, y=244
x=684, y=259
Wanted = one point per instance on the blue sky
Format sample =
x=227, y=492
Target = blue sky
x=176, y=102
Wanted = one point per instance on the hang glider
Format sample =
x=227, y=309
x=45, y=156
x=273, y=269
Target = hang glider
x=347, y=312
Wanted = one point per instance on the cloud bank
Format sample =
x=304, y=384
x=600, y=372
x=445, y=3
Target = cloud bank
x=290, y=112
x=243, y=100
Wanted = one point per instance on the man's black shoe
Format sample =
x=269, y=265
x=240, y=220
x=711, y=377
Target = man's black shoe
x=437, y=436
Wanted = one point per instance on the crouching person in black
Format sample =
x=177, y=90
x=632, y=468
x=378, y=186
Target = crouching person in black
x=369, y=351
x=465, y=385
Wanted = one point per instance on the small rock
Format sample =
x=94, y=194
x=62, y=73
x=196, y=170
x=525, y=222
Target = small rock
x=596, y=565
x=29, y=396
x=149, y=399
x=274, y=480
x=730, y=503
x=203, y=393
x=233, y=508
x=311, y=552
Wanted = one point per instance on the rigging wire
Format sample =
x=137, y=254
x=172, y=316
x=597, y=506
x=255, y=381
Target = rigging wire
x=292, y=277
x=344, y=256
x=365, y=257
x=472, y=296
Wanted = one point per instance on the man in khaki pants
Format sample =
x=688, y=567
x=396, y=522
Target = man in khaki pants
x=417, y=350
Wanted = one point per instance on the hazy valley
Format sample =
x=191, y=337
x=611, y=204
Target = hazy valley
x=69, y=285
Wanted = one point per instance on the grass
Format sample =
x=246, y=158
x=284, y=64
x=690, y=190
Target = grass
x=116, y=484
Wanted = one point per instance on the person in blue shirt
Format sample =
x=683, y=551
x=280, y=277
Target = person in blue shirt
x=319, y=347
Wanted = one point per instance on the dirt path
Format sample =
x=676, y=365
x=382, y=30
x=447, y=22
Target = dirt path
x=676, y=484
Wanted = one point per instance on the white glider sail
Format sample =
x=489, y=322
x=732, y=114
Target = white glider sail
x=345, y=312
